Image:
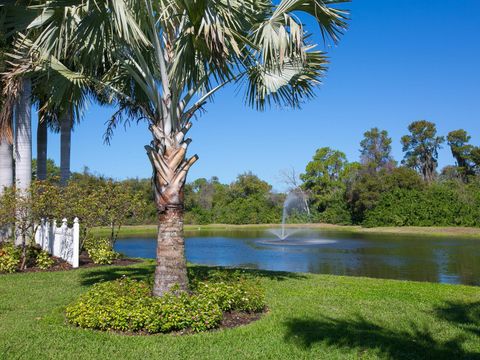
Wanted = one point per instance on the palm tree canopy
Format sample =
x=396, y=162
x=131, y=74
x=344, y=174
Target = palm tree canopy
x=155, y=58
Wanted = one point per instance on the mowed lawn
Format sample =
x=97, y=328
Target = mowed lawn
x=310, y=317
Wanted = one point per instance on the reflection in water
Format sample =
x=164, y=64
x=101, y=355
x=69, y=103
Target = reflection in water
x=445, y=260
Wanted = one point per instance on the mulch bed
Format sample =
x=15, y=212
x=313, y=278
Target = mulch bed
x=235, y=319
x=85, y=262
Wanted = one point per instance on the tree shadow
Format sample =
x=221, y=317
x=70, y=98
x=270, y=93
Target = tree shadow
x=203, y=272
x=108, y=273
x=465, y=316
x=145, y=271
x=362, y=335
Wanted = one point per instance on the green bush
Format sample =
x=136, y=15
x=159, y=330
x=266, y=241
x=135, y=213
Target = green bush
x=44, y=261
x=243, y=295
x=127, y=305
x=9, y=258
x=100, y=251
x=442, y=204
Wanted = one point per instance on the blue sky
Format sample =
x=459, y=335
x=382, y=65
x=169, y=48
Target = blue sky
x=400, y=61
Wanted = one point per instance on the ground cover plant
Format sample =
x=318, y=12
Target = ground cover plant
x=128, y=305
x=309, y=317
x=35, y=257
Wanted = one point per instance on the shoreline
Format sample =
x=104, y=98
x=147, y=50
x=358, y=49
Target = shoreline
x=151, y=230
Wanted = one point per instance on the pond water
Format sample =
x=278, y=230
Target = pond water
x=420, y=258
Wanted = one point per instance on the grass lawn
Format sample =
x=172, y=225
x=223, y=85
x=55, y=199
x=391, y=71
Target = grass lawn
x=310, y=317
x=459, y=232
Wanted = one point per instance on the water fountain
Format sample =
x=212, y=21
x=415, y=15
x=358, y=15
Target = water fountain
x=295, y=202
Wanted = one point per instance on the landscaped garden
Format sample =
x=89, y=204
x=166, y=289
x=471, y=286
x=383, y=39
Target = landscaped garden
x=308, y=316
x=368, y=259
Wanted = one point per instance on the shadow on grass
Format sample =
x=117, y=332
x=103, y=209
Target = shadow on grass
x=361, y=335
x=145, y=271
x=107, y=273
x=465, y=316
x=204, y=272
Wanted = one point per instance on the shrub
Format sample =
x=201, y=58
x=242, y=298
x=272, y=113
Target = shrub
x=44, y=261
x=100, y=251
x=243, y=295
x=127, y=305
x=9, y=258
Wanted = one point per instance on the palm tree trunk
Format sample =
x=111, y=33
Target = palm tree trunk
x=171, y=269
x=23, y=144
x=6, y=165
x=6, y=177
x=170, y=168
x=42, y=139
x=65, y=146
x=23, y=137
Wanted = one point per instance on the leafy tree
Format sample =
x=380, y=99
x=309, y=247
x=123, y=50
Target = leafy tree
x=461, y=151
x=365, y=190
x=475, y=157
x=53, y=170
x=248, y=200
x=21, y=209
x=421, y=148
x=375, y=150
x=324, y=178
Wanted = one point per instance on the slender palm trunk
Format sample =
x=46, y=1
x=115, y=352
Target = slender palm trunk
x=65, y=147
x=6, y=165
x=23, y=145
x=23, y=138
x=42, y=140
x=6, y=177
x=171, y=267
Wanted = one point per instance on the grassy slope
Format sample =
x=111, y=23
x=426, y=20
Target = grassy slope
x=311, y=316
x=151, y=230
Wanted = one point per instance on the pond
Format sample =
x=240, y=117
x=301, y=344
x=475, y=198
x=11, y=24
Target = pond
x=420, y=258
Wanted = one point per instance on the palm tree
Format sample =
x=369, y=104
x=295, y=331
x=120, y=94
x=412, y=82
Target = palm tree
x=170, y=64
x=162, y=62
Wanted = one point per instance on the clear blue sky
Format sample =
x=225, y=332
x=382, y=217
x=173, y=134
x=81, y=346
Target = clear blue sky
x=400, y=61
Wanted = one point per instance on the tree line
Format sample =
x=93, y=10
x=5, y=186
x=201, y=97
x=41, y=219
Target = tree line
x=376, y=190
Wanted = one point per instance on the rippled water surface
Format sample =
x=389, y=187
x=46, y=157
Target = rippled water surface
x=444, y=260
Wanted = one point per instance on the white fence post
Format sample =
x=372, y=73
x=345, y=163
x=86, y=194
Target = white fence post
x=76, y=243
x=63, y=242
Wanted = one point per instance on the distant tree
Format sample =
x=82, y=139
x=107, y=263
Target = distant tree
x=323, y=178
x=53, y=171
x=375, y=150
x=248, y=200
x=461, y=151
x=365, y=189
x=475, y=157
x=421, y=148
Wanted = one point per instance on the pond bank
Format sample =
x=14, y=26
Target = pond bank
x=151, y=230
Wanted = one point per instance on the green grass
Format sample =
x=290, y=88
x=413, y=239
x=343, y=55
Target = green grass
x=458, y=232
x=310, y=317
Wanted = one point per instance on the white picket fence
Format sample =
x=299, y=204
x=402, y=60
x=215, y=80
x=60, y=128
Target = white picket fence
x=62, y=242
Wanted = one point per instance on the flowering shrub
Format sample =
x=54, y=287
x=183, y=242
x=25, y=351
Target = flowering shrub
x=127, y=305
